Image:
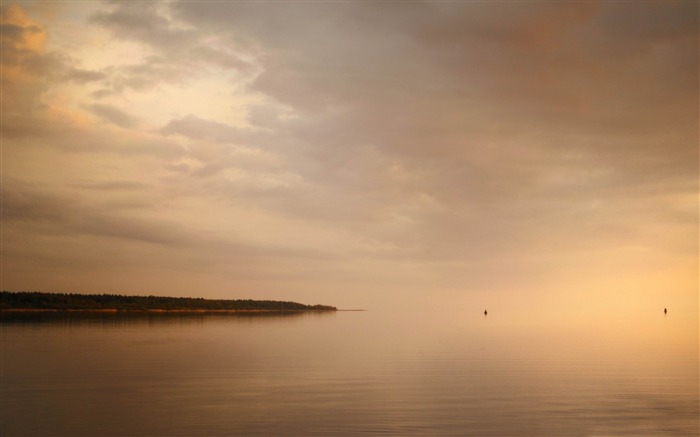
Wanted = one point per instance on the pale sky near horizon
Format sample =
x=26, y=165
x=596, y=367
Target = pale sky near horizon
x=357, y=154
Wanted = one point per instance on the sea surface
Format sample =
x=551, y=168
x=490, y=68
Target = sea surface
x=346, y=373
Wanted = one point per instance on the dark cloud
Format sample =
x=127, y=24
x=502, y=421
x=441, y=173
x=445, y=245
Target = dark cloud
x=82, y=76
x=112, y=185
x=142, y=22
x=46, y=212
x=113, y=115
x=44, y=133
x=454, y=74
x=194, y=127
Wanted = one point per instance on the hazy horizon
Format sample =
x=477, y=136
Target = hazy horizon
x=443, y=156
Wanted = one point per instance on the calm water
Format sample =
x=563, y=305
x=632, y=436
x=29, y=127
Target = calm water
x=347, y=373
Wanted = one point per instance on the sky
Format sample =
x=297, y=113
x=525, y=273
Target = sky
x=435, y=154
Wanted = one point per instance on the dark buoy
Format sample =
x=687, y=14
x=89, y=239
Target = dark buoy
x=665, y=311
x=485, y=312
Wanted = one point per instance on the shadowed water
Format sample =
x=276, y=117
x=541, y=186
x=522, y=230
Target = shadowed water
x=345, y=373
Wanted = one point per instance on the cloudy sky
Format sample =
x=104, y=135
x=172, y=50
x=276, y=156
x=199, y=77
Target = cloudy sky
x=353, y=153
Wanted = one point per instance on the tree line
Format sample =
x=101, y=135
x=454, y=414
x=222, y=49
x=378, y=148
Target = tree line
x=74, y=301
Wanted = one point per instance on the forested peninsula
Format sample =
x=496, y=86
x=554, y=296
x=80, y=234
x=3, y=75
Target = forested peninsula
x=38, y=301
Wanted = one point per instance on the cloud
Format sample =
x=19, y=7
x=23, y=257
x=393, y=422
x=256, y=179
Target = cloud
x=488, y=110
x=72, y=132
x=194, y=127
x=27, y=66
x=112, y=185
x=113, y=114
x=428, y=134
x=214, y=147
x=47, y=212
x=179, y=53
x=83, y=76
x=143, y=23
x=22, y=42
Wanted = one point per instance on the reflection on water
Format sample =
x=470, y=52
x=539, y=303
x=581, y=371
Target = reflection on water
x=345, y=373
x=58, y=318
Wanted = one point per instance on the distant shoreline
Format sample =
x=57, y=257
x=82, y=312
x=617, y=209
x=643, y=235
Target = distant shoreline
x=152, y=310
x=114, y=303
